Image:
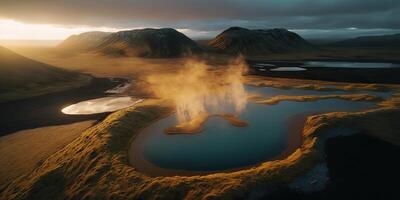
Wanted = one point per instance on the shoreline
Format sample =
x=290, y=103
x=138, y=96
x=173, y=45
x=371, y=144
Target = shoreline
x=295, y=127
x=372, y=60
x=45, y=110
x=349, y=75
x=294, y=140
x=110, y=139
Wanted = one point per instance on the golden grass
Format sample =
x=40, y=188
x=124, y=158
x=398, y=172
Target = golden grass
x=95, y=165
x=13, y=93
x=22, y=151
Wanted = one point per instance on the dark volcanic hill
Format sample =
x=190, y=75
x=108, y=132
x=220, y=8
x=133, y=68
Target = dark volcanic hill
x=84, y=41
x=165, y=42
x=237, y=40
x=371, y=41
x=21, y=77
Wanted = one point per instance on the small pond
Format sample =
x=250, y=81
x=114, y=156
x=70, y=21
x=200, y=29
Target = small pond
x=100, y=105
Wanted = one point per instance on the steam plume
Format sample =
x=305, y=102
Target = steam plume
x=200, y=89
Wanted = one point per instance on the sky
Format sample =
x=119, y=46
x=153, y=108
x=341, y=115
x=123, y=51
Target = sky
x=314, y=19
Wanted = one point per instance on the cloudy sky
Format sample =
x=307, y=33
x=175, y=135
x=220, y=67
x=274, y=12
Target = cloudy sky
x=57, y=19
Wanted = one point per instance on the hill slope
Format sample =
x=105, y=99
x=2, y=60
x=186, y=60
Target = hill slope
x=165, y=42
x=371, y=41
x=21, y=77
x=237, y=40
x=83, y=41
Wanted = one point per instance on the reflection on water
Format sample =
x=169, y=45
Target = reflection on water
x=120, y=88
x=264, y=65
x=100, y=105
x=270, y=91
x=283, y=69
x=350, y=64
x=221, y=146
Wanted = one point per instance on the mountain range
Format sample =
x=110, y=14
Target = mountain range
x=168, y=42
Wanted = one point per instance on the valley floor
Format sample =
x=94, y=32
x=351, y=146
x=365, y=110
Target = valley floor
x=97, y=158
x=92, y=162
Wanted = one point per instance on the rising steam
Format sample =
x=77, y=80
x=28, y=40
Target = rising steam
x=200, y=89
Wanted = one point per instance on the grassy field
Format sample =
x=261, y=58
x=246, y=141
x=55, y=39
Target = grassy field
x=22, y=151
x=95, y=165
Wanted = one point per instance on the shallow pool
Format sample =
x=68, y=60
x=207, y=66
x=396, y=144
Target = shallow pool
x=100, y=105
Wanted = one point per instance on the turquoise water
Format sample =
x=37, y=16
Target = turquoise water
x=222, y=146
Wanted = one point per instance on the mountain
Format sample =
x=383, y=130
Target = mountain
x=237, y=40
x=165, y=42
x=83, y=41
x=371, y=41
x=22, y=77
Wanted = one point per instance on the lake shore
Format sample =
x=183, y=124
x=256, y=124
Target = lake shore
x=295, y=126
x=334, y=74
x=103, y=160
x=45, y=110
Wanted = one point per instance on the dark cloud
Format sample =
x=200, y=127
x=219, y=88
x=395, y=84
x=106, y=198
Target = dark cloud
x=209, y=15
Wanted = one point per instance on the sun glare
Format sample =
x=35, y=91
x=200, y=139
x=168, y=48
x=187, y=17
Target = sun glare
x=14, y=30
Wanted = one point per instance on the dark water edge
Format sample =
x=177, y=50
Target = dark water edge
x=334, y=74
x=360, y=167
x=45, y=110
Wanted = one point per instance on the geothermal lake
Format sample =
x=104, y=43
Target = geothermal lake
x=221, y=146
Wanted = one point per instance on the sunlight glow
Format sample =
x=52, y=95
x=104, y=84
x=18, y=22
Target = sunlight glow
x=197, y=33
x=14, y=30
